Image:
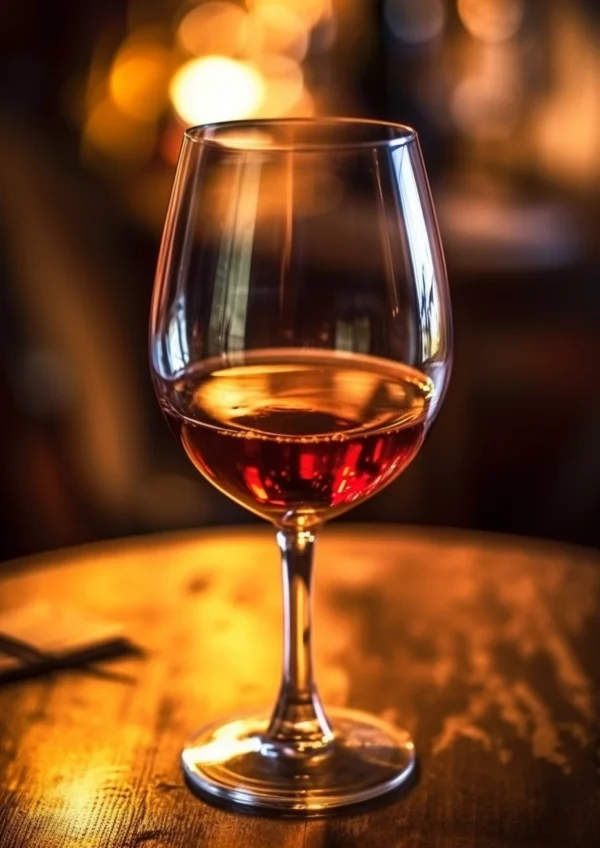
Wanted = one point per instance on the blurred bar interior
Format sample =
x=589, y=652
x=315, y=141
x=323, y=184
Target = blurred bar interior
x=94, y=98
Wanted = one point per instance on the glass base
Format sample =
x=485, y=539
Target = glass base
x=236, y=763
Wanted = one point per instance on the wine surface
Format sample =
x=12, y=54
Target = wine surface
x=297, y=436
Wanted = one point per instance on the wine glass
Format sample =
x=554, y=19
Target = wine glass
x=301, y=343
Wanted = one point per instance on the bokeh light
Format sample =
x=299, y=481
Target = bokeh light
x=110, y=136
x=305, y=107
x=492, y=20
x=216, y=88
x=415, y=21
x=283, y=86
x=213, y=28
x=309, y=11
x=275, y=28
x=200, y=61
x=139, y=79
x=567, y=123
x=484, y=110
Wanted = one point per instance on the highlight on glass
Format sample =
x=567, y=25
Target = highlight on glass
x=301, y=345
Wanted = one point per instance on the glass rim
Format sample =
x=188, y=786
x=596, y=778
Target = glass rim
x=207, y=134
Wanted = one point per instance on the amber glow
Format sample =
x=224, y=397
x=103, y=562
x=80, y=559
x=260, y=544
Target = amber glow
x=116, y=137
x=138, y=80
x=310, y=11
x=305, y=107
x=198, y=62
x=283, y=86
x=572, y=111
x=220, y=750
x=484, y=105
x=216, y=88
x=248, y=63
x=491, y=20
x=275, y=28
x=207, y=610
x=213, y=28
x=74, y=799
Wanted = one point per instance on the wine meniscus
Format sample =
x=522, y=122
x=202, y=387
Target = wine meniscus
x=298, y=437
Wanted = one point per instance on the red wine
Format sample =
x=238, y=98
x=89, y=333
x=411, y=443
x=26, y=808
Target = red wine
x=298, y=436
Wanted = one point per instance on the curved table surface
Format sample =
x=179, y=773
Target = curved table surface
x=485, y=648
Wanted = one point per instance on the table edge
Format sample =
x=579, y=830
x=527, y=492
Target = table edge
x=63, y=557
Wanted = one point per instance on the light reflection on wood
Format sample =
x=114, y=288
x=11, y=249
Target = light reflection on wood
x=483, y=650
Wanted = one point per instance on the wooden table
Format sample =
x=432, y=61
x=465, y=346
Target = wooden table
x=486, y=649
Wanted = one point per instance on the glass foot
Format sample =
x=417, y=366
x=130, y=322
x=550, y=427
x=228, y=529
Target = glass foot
x=235, y=762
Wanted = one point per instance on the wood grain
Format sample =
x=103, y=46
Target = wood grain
x=485, y=648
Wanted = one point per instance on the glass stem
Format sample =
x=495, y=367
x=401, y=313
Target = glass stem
x=298, y=723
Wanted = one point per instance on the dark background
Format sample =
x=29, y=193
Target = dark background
x=506, y=97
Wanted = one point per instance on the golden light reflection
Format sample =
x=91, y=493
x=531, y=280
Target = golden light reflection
x=249, y=140
x=317, y=191
x=139, y=78
x=491, y=20
x=213, y=28
x=220, y=751
x=216, y=88
x=74, y=801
